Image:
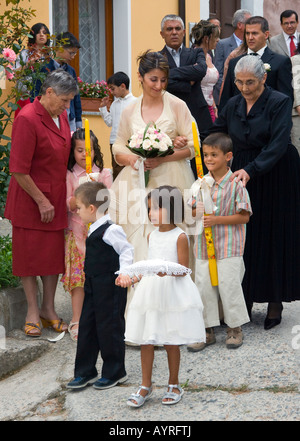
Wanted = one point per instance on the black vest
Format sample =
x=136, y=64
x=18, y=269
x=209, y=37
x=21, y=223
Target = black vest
x=100, y=258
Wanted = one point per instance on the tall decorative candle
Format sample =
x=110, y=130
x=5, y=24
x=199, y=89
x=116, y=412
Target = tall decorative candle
x=212, y=262
x=88, y=159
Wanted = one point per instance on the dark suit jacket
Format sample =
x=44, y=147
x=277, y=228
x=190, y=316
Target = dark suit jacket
x=279, y=77
x=224, y=47
x=192, y=68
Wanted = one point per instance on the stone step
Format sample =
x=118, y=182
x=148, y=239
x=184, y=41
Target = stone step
x=17, y=351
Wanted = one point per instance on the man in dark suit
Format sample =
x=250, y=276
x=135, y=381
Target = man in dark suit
x=187, y=68
x=278, y=67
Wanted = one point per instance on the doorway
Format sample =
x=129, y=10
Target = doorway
x=224, y=11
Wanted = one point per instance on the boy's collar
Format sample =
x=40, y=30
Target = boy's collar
x=222, y=181
x=124, y=97
x=100, y=221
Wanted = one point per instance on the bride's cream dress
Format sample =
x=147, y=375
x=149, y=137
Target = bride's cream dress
x=127, y=199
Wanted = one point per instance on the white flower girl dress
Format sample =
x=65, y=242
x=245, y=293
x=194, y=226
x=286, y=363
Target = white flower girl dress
x=168, y=309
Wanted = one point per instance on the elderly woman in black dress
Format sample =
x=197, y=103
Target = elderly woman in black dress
x=259, y=123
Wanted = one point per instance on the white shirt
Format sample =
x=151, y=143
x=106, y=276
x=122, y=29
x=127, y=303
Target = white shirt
x=288, y=40
x=56, y=120
x=260, y=52
x=115, y=237
x=112, y=117
x=175, y=54
x=237, y=39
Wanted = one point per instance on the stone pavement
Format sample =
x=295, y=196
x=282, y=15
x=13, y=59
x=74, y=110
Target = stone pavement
x=257, y=382
x=260, y=381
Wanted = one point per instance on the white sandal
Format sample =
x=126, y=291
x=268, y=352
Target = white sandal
x=173, y=395
x=73, y=332
x=140, y=400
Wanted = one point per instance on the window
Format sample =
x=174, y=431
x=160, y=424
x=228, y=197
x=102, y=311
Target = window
x=91, y=23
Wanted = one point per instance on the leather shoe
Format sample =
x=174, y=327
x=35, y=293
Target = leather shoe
x=81, y=382
x=271, y=322
x=105, y=383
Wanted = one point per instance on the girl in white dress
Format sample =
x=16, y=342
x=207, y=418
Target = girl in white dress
x=165, y=309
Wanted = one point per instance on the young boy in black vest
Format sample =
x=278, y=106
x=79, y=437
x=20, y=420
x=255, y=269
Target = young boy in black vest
x=102, y=323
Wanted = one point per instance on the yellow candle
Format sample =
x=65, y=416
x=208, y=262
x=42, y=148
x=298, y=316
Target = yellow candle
x=212, y=261
x=88, y=159
x=198, y=160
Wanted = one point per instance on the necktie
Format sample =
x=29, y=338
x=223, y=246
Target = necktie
x=254, y=53
x=292, y=46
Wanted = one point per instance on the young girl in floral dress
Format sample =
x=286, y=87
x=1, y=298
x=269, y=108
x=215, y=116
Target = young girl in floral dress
x=73, y=278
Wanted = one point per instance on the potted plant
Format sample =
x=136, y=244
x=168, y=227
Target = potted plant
x=92, y=93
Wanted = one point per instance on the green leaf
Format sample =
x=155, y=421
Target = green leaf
x=7, y=138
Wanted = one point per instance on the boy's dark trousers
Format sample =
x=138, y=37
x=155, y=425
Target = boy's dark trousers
x=102, y=322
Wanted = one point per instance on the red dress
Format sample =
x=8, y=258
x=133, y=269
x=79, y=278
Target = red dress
x=41, y=150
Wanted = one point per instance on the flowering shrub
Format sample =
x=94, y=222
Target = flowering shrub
x=13, y=31
x=99, y=89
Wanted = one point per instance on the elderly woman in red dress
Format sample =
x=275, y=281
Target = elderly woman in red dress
x=36, y=200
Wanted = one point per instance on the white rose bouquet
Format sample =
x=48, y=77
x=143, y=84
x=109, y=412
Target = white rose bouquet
x=150, y=143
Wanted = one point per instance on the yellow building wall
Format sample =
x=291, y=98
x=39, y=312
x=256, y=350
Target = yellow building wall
x=145, y=34
x=192, y=15
x=97, y=124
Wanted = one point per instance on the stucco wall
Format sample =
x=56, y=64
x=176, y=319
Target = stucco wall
x=145, y=30
x=145, y=27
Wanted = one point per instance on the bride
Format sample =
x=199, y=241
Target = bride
x=172, y=116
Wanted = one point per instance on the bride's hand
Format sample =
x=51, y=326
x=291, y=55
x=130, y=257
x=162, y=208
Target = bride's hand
x=151, y=163
x=180, y=142
x=132, y=161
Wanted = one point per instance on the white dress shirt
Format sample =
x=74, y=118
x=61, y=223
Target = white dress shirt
x=175, y=54
x=238, y=40
x=288, y=40
x=260, y=52
x=115, y=237
x=112, y=117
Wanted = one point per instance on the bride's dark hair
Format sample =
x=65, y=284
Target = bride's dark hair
x=152, y=60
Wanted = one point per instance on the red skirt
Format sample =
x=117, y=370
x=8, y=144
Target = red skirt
x=37, y=252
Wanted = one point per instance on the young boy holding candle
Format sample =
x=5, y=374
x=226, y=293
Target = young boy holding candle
x=228, y=227
x=102, y=323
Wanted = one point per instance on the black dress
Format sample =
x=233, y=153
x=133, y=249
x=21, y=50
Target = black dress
x=261, y=146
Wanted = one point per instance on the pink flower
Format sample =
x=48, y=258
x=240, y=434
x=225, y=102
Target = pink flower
x=9, y=54
x=9, y=74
